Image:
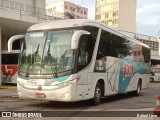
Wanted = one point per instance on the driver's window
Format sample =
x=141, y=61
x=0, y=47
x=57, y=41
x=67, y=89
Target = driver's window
x=83, y=52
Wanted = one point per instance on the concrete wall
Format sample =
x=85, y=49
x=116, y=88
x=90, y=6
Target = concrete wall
x=4, y=42
x=36, y=3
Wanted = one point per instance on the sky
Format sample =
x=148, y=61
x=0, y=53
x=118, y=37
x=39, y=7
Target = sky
x=147, y=15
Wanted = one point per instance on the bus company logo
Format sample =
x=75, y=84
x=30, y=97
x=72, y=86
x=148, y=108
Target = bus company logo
x=9, y=70
x=127, y=70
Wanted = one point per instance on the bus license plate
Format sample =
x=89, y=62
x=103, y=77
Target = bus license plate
x=40, y=95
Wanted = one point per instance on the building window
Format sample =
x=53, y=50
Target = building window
x=66, y=7
x=85, y=13
x=106, y=15
x=70, y=8
x=98, y=17
x=115, y=14
x=73, y=9
x=98, y=9
x=115, y=21
x=78, y=10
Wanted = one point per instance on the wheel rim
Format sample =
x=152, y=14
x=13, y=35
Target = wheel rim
x=98, y=94
x=138, y=89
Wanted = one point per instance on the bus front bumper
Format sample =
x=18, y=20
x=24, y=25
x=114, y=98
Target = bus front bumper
x=66, y=94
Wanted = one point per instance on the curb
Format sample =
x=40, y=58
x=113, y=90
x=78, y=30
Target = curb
x=8, y=96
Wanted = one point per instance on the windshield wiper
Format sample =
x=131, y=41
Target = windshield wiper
x=49, y=56
x=32, y=61
x=27, y=71
x=35, y=54
x=48, y=52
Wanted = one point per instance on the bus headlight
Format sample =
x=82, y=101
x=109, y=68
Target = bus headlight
x=69, y=82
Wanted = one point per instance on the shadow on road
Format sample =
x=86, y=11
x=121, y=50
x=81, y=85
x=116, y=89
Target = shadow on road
x=80, y=104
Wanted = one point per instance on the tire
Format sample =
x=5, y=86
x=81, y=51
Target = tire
x=97, y=95
x=138, y=90
x=152, y=79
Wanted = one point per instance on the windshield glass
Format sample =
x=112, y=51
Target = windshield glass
x=47, y=52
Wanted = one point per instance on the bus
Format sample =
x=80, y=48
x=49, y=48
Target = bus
x=79, y=59
x=155, y=73
x=9, y=66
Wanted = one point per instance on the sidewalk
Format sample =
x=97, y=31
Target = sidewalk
x=8, y=91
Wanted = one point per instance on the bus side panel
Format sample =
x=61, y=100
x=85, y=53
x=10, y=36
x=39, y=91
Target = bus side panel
x=84, y=85
x=95, y=77
x=133, y=83
x=145, y=81
x=120, y=75
x=130, y=73
x=107, y=69
x=112, y=71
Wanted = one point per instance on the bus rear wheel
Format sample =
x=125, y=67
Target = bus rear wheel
x=97, y=95
x=151, y=79
x=138, y=90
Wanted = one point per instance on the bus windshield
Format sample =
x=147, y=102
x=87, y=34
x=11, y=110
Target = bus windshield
x=47, y=52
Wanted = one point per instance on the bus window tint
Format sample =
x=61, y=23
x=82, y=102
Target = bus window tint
x=119, y=47
x=84, y=52
x=10, y=58
x=86, y=47
x=112, y=45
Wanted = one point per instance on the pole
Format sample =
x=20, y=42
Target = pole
x=0, y=55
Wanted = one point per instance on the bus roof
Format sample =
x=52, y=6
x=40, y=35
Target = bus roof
x=57, y=24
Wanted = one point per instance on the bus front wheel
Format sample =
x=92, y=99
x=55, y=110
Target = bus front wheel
x=96, y=100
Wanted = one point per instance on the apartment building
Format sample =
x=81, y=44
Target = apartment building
x=118, y=14
x=67, y=10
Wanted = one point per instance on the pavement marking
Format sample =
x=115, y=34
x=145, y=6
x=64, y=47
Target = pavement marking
x=7, y=87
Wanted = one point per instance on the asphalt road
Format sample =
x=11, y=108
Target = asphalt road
x=121, y=103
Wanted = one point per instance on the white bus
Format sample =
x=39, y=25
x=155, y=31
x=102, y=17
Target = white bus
x=9, y=66
x=73, y=60
x=155, y=73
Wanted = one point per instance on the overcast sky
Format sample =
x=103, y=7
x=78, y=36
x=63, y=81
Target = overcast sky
x=148, y=14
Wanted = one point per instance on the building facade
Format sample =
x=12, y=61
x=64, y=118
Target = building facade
x=67, y=10
x=118, y=14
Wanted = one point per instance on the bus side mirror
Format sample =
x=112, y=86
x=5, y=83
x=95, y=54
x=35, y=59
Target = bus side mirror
x=76, y=36
x=12, y=39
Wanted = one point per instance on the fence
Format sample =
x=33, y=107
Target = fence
x=24, y=9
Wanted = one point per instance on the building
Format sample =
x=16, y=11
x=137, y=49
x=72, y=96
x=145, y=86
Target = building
x=16, y=16
x=118, y=14
x=67, y=10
